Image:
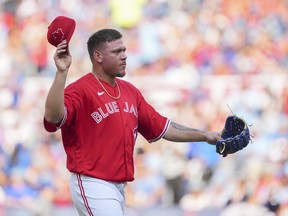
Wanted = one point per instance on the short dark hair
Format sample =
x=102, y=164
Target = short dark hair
x=100, y=37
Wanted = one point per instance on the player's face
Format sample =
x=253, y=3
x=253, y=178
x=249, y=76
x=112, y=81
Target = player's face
x=114, y=58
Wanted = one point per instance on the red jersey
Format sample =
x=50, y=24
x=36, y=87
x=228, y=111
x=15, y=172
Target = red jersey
x=99, y=132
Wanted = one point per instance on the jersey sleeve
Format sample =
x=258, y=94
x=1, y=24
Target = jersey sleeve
x=151, y=124
x=50, y=127
x=72, y=103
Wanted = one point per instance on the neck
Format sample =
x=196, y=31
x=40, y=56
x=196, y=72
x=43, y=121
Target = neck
x=101, y=76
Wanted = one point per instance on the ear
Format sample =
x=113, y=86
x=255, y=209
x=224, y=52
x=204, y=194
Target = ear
x=97, y=56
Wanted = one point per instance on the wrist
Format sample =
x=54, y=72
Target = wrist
x=206, y=136
x=62, y=71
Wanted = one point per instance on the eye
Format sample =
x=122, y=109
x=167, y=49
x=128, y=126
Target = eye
x=117, y=51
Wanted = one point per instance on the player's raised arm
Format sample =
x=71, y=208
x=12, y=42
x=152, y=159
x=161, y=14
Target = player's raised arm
x=54, y=106
x=180, y=133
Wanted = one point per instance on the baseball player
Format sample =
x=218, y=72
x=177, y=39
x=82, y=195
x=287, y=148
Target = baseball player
x=100, y=116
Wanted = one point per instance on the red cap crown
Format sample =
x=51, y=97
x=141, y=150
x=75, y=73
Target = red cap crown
x=61, y=28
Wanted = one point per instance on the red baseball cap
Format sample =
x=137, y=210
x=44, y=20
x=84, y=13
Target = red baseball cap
x=60, y=29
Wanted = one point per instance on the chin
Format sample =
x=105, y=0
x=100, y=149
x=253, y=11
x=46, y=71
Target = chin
x=121, y=74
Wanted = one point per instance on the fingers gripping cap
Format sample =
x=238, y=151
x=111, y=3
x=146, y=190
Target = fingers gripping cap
x=60, y=29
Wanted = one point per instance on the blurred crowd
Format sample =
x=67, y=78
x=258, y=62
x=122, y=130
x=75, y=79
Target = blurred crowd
x=196, y=61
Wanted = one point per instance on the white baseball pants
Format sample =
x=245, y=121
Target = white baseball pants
x=96, y=197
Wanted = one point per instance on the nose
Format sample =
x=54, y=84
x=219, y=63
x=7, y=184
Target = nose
x=123, y=56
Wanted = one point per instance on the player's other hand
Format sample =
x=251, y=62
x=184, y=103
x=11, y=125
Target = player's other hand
x=212, y=137
x=62, y=57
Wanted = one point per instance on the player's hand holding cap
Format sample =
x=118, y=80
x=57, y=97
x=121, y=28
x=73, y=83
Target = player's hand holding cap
x=61, y=28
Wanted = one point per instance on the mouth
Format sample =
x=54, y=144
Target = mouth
x=123, y=65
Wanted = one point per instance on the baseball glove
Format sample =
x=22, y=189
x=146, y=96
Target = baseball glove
x=235, y=136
